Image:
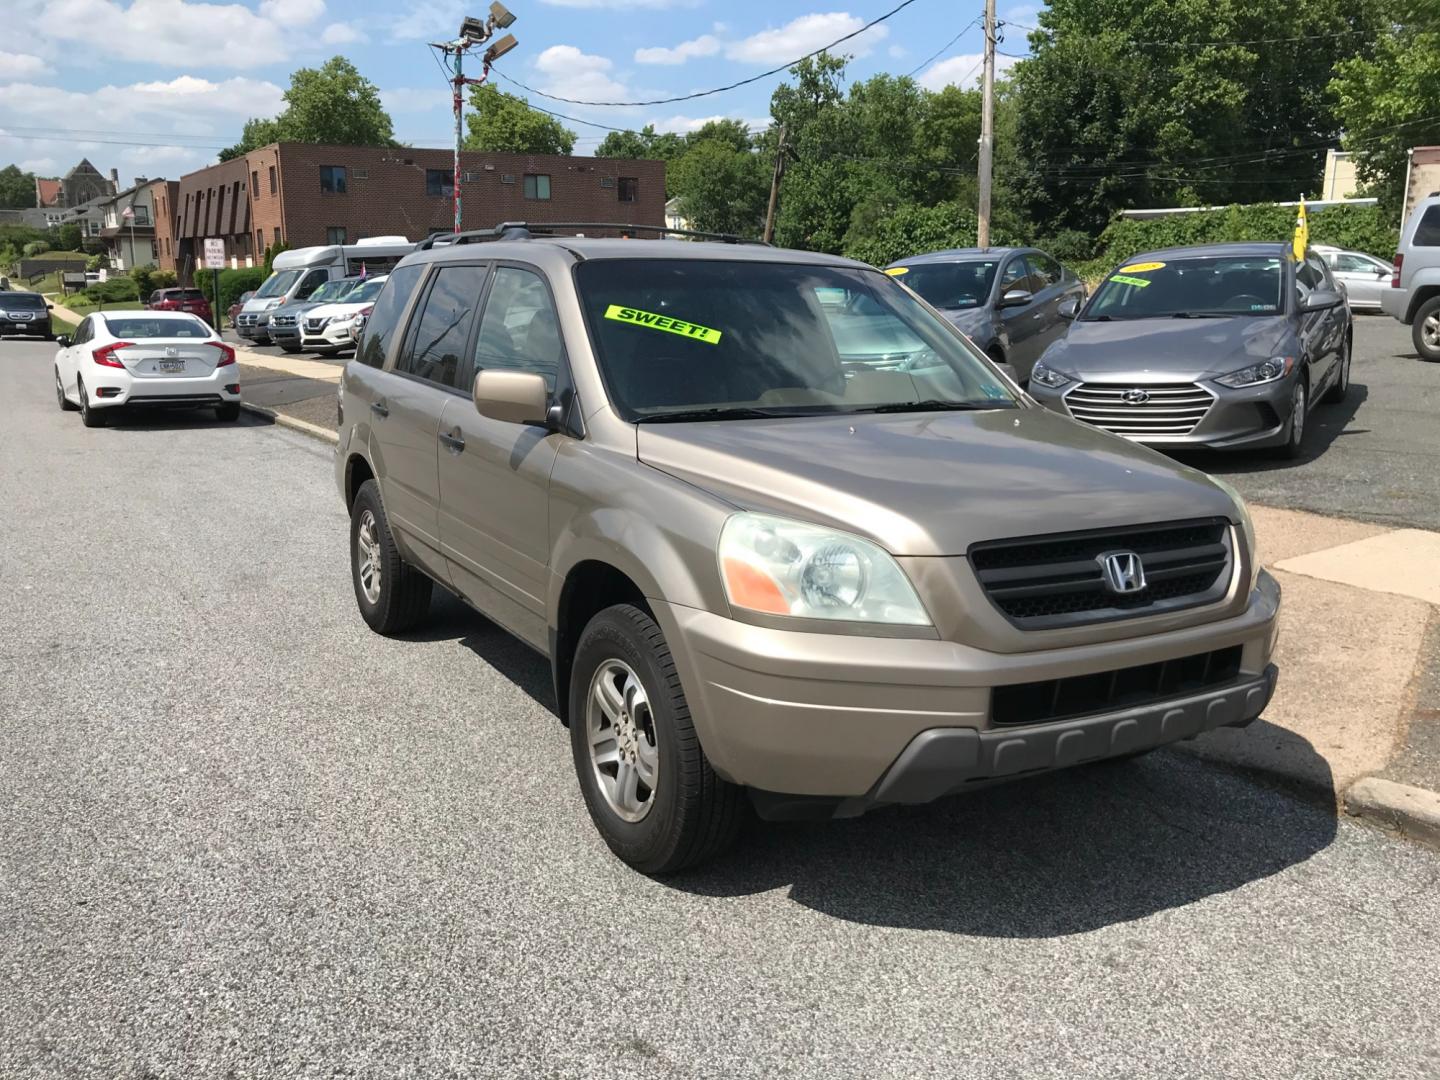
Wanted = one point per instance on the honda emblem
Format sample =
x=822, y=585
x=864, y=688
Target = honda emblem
x=1123, y=571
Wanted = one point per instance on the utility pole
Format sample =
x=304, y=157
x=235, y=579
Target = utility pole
x=473, y=32
x=987, y=128
x=775, y=186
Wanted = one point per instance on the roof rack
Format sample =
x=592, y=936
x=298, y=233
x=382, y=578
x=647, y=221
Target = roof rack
x=521, y=230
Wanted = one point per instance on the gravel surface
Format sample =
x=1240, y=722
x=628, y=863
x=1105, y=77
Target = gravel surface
x=241, y=836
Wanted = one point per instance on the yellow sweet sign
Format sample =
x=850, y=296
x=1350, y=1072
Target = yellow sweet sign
x=897, y=271
x=1140, y=268
x=652, y=321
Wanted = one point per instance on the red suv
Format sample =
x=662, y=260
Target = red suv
x=191, y=300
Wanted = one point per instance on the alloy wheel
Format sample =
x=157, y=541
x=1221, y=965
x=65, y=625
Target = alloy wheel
x=367, y=554
x=1297, y=414
x=620, y=731
x=1430, y=330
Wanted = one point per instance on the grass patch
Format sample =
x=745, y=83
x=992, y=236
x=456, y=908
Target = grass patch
x=62, y=324
x=83, y=305
x=58, y=256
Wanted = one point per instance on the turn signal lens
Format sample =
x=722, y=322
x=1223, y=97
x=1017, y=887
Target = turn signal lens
x=105, y=355
x=227, y=354
x=750, y=587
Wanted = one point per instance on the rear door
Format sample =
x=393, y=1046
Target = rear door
x=1054, y=288
x=1317, y=329
x=495, y=476
x=1024, y=323
x=1362, y=276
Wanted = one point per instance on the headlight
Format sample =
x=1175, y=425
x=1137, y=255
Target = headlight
x=782, y=567
x=1247, y=527
x=1277, y=367
x=1048, y=376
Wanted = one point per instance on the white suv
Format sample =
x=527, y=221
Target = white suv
x=1414, y=293
x=330, y=328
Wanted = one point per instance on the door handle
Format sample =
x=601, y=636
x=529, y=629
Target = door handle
x=379, y=408
x=453, y=439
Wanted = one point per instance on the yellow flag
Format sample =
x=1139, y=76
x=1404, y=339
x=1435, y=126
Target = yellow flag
x=1302, y=231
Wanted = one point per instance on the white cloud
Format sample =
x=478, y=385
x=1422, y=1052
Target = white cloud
x=963, y=71
x=340, y=33
x=227, y=35
x=704, y=45
x=686, y=124
x=292, y=12
x=23, y=65
x=895, y=52
x=410, y=99
x=574, y=74
x=805, y=35
x=430, y=19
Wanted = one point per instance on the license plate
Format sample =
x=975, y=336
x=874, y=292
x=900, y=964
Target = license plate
x=172, y=365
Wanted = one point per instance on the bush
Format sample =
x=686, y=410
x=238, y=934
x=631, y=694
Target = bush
x=144, y=280
x=69, y=237
x=100, y=261
x=232, y=284
x=163, y=279
x=35, y=247
x=913, y=229
x=111, y=291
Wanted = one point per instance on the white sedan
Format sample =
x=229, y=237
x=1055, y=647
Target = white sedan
x=145, y=359
x=332, y=327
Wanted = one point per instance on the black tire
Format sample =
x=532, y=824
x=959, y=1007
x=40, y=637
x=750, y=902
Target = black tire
x=693, y=815
x=1341, y=386
x=1294, y=444
x=403, y=595
x=88, y=416
x=1421, y=327
x=66, y=405
x=227, y=413
x=291, y=348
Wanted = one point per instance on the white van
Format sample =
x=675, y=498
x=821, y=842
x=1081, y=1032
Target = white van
x=299, y=273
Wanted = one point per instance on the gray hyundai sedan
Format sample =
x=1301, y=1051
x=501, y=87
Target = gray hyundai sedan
x=1225, y=346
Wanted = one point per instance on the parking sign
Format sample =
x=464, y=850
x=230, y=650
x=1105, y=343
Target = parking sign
x=215, y=254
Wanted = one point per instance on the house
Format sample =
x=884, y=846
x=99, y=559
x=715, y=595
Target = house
x=128, y=226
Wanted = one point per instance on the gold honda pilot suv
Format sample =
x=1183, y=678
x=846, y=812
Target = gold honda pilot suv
x=784, y=535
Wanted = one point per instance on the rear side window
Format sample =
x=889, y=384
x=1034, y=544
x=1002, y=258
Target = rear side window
x=436, y=343
x=1044, y=271
x=1427, y=233
x=389, y=306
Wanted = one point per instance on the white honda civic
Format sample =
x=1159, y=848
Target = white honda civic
x=145, y=359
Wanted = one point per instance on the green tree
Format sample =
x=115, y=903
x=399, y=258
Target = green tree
x=1386, y=101
x=69, y=237
x=721, y=189
x=1165, y=102
x=646, y=143
x=17, y=189
x=503, y=123
x=333, y=103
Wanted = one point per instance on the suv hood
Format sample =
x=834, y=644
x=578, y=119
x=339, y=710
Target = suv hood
x=1166, y=349
x=935, y=483
x=330, y=311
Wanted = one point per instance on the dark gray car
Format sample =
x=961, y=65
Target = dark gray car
x=1006, y=300
x=285, y=319
x=1225, y=346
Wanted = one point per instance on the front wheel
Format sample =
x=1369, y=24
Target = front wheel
x=1341, y=387
x=1294, y=444
x=393, y=595
x=1425, y=331
x=645, y=778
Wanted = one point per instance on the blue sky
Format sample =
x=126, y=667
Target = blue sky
x=152, y=87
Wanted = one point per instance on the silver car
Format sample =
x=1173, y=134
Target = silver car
x=1364, y=276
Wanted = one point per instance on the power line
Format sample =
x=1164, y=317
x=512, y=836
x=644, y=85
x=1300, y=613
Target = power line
x=1191, y=44
x=719, y=89
x=937, y=52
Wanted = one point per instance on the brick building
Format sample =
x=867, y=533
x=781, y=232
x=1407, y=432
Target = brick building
x=307, y=195
x=164, y=197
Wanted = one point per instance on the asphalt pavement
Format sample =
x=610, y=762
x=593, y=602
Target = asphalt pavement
x=242, y=836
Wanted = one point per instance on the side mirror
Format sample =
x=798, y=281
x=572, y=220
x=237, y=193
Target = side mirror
x=1320, y=300
x=49, y=307
x=1069, y=307
x=63, y=341
x=1016, y=298
x=512, y=397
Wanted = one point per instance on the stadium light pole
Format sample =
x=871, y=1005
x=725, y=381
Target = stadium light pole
x=473, y=32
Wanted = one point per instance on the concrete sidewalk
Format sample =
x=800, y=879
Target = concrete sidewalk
x=1356, y=715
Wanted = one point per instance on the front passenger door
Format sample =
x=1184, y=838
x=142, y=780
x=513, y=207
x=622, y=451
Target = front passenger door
x=495, y=476
x=1025, y=323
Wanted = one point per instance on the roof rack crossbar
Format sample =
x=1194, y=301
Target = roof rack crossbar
x=522, y=230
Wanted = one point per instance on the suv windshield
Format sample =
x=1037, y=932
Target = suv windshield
x=951, y=285
x=277, y=284
x=21, y=300
x=1209, y=285
x=366, y=291
x=333, y=290
x=701, y=339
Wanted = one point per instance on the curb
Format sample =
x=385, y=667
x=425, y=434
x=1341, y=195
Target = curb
x=1411, y=811
x=315, y=431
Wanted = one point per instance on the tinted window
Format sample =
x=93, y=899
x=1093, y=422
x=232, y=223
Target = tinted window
x=1308, y=276
x=1044, y=271
x=1427, y=233
x=439, y=334
x=950, y=285
x=139, y=329
x=1216, y=285
x=1016, y=276
x=313, y=280
x=675, y=336
x=389, y=306
x=1353, y=264
x=537, y=186
x=332, y=179
x=520, y=331
x=439, y=182
x=19, y=300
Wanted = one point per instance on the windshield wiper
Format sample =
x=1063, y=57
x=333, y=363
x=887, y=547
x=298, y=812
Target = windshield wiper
x=935, y=406
x=1204, y=314
x=687, y=415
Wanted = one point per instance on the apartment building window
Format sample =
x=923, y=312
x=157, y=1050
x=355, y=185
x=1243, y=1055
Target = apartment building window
x=335, y=234
x=274, y=185
x=332, y=179
x=142, y=215
x=259, y=239
x=277, y=234
x=440, y=182
x=629, y=188
x=537, y=186
x=255, y=183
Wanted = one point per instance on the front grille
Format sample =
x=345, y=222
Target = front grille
x=1167, y=411
x=282, y=320
x=1044, y=582
x=314, y=324
x=1112, y=691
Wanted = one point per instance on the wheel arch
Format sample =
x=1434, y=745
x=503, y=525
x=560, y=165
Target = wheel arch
x=1419, y=297
x=357, y=471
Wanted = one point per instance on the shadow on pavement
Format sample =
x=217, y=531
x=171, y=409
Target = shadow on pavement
x=1327, y=423
x=1056, y=854
x=136, y=420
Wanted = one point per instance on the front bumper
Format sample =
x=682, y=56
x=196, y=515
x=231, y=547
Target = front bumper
x=252, y=326
x=851, y=722
x=1247, y=419
x=333, y=337
x=37, y=327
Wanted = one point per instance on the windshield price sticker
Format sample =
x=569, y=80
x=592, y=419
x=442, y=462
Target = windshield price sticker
x=652, y=321
x=1138, y=282
x=1141, y=268
x=898, y=271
